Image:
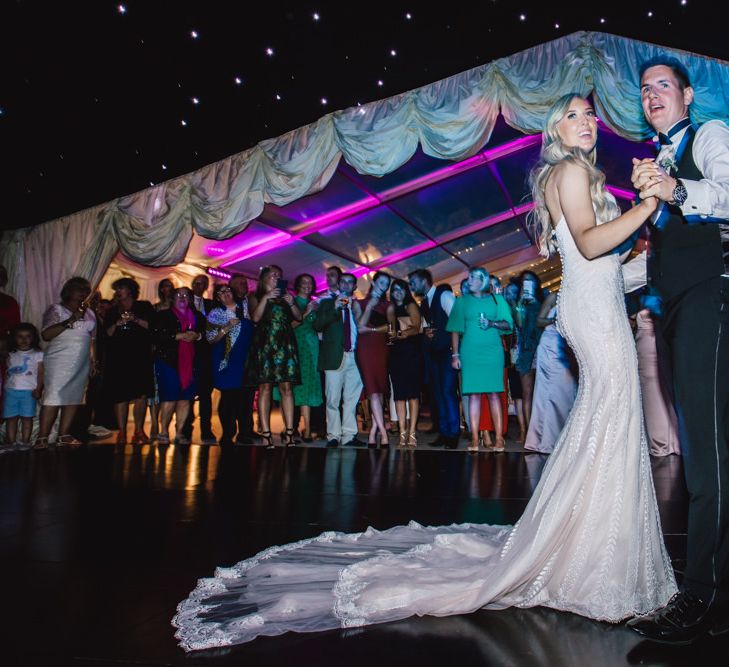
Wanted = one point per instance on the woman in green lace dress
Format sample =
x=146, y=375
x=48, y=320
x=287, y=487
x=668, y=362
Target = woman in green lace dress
x=273, y=358
x=308, y=394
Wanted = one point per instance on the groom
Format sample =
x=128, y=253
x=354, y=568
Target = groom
x=688, y=265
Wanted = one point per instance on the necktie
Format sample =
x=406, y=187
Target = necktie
x=347, y=330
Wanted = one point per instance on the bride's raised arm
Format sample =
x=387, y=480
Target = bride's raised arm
x=572, y=183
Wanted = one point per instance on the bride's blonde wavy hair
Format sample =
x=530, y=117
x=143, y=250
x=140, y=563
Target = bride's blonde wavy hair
x=553, y=153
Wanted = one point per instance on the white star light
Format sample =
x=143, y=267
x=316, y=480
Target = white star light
x=323, y=100
x=164, y=167
x=556, y=25
x=408, y=16
x=194, y=34
x=195, y=100
x=522, y=17
x=380, y=82
x=121, y=9
x=316, y=16
x=602, y=20
x=238, y=81
x=278, y=97
x=650, y=14
x=183, y=122
x=269, y=51
x=393, y=53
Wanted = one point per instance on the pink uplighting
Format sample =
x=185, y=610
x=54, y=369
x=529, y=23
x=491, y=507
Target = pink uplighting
x=620, y=193
x=360, y=206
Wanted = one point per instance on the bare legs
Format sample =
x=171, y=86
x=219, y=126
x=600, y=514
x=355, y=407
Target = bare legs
x=527, y=388
x=264, y=408
x=497, y=416
x=11, y=429
x=378, y=419
x=408, y=436
x=48, y=414
x=181, y=409
x=121, y=410
x=306, y=416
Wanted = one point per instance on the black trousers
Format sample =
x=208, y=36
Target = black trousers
x=695, y=327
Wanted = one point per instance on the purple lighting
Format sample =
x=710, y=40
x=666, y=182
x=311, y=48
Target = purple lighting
x=620, y=193
x=341, y=214
x=218, y=273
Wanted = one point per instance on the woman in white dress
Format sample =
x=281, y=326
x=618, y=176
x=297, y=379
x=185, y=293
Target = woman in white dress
x=69, y=328
x=589, y=540
x=555, y=385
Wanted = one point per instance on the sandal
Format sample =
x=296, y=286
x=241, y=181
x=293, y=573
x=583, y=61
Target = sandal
x=287, y=438
x=163, y=439
x=412, y=440
x=267, y=439
x=68, y=440
x=499, y=445
x=403, y=439
x=41, y=443
x=121, y=438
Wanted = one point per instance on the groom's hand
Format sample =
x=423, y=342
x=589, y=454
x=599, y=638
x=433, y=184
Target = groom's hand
x=651, y=180
x=644, y=171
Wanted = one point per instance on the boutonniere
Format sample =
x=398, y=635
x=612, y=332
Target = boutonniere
x=667, y=163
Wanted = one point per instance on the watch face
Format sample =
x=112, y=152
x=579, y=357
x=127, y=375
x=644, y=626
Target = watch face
x=679, y=193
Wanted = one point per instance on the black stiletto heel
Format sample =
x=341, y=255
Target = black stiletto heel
x=267, y=439
x=287, y=437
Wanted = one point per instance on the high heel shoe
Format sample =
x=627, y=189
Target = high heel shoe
x=287, y=438
x=267, y=439
x=403, y=439
x=412, y=440
x=384, y=440
x=499, y=445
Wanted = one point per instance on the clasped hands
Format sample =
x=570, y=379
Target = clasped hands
x=651, y=180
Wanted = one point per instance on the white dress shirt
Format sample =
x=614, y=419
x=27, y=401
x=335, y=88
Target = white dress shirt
x=707, y=198
x=200, y=304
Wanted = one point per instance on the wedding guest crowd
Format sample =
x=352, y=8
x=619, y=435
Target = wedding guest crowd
x=321, y=358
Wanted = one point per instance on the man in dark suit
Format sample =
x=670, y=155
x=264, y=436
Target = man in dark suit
x=343, y=383
x=435, y=308
x=204, y=364
x=688, y=266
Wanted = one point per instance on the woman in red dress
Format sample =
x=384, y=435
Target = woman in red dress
x=374, y=314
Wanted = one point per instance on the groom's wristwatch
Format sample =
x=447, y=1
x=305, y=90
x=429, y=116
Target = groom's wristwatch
x=679, y=194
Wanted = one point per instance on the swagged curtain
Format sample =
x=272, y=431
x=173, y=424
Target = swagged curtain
x=451, y=119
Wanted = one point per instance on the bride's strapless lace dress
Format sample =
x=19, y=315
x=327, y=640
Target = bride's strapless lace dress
x=589, y=541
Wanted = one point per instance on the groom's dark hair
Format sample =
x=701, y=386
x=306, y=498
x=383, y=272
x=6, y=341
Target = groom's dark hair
x=679, y=70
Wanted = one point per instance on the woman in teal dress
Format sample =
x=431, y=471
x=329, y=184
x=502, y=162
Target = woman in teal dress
x=273, y=358
x=477, y=322
x=308, y=394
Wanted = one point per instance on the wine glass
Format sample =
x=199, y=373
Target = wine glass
x=126, y=318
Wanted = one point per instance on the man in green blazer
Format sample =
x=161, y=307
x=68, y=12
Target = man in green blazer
x=343, y=383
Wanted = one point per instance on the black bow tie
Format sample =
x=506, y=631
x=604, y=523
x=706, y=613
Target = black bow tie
x=665, y=139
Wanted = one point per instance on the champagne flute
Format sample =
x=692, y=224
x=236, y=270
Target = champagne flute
x=390, y=334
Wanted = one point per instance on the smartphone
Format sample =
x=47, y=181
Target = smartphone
x=281, y=285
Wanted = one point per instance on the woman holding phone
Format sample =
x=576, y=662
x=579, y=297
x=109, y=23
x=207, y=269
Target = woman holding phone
x=274, y=357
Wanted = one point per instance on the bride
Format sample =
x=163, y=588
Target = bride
x=589, y=541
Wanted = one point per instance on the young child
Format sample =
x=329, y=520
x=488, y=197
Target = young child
x=23, y=383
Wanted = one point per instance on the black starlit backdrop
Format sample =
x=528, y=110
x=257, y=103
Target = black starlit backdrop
x=100, y=99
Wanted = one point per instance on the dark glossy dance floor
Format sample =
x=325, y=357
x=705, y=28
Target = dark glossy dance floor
x=98, y=545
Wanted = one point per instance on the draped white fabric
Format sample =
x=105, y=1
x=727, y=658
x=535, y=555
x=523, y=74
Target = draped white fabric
x=450, y=119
